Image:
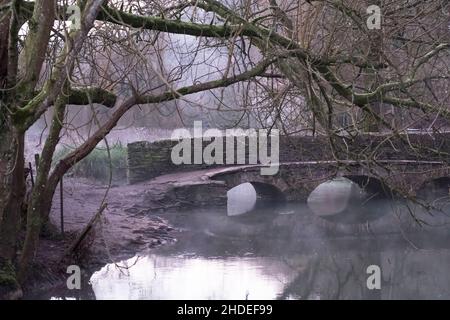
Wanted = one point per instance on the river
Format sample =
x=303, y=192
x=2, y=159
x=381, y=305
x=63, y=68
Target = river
x=286, y=251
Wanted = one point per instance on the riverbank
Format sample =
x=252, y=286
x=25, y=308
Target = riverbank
x=131, y=223
x=124, y=229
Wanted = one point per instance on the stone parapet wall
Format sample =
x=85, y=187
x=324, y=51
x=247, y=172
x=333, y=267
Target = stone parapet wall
x=147, y=160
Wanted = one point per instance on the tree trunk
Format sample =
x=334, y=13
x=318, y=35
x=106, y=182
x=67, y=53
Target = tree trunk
x=12, y=192
x=42, y=194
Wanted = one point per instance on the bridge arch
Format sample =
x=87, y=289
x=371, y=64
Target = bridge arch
x=373, y=187
x=249, y=196
x=435, y=188
x=268, y=192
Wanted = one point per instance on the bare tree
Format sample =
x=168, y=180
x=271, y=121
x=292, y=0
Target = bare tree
x=297, y=64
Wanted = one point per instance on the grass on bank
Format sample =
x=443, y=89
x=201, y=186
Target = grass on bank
x=98, y=164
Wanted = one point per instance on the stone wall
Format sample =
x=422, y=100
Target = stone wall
x=147, y=160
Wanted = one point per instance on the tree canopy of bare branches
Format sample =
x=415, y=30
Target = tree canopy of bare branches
x=298, y=65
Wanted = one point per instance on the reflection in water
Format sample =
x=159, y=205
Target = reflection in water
x=259, y=256
x=343, y=201
x=290, y=253
x=241, y=199
x=406, y=274
x=160, y=277
x=333, y=197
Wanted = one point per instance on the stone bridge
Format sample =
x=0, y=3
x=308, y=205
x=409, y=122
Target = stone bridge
x=296, y=180
x=405, y=164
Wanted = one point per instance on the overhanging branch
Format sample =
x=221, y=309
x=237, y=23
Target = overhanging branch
x=90, y=95
x=83, y=150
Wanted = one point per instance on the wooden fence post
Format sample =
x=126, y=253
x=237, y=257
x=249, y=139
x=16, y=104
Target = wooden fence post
x=61, y=200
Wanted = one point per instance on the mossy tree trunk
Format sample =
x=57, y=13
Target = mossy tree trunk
x=12, y=184
x=42, y=195
x=11, y=196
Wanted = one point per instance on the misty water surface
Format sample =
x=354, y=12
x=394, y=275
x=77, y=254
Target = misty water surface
x=289, y=252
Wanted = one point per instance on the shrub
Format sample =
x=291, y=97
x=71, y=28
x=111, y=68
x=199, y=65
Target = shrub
x=98, y=164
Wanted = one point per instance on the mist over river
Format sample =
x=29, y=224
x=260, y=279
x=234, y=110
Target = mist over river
x=287, y=251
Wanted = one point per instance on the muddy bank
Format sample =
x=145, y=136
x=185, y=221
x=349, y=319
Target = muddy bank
x=125, y=228
x=131, y=223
